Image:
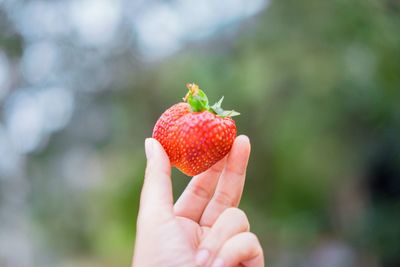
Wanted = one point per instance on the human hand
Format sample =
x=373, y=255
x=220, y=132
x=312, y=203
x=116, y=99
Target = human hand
x=204, y=227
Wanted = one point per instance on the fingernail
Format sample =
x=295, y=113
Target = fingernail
x=202, y=257
x=218, y=263
x=148, y=147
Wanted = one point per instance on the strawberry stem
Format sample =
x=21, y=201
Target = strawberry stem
x=198, y=102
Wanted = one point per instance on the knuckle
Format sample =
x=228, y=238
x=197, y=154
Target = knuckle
x=224, y=199
x=200, y=191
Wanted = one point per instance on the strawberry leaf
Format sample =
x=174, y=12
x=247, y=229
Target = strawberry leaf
x=217, y=109
x=198, y=102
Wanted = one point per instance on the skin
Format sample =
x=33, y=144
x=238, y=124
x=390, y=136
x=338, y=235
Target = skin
x=204, y=227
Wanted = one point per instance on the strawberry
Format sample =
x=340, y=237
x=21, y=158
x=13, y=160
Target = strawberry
x=194, y=134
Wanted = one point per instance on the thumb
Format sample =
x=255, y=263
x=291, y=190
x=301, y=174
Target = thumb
x=157, y=188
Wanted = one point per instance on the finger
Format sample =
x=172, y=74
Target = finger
x=156, y=193
x=230, y=185
x=198, y=193
x=244, y=249
x=231, y=222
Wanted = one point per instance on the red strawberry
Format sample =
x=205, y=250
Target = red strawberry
x=195, y=135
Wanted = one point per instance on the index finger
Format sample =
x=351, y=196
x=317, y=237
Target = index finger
x=230, y=185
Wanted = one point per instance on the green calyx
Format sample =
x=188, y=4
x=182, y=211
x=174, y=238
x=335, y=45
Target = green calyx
x=198, y=102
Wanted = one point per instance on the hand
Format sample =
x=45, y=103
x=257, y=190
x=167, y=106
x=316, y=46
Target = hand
x=204, y=227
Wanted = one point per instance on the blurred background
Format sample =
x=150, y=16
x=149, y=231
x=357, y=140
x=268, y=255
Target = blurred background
x=317, y=83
